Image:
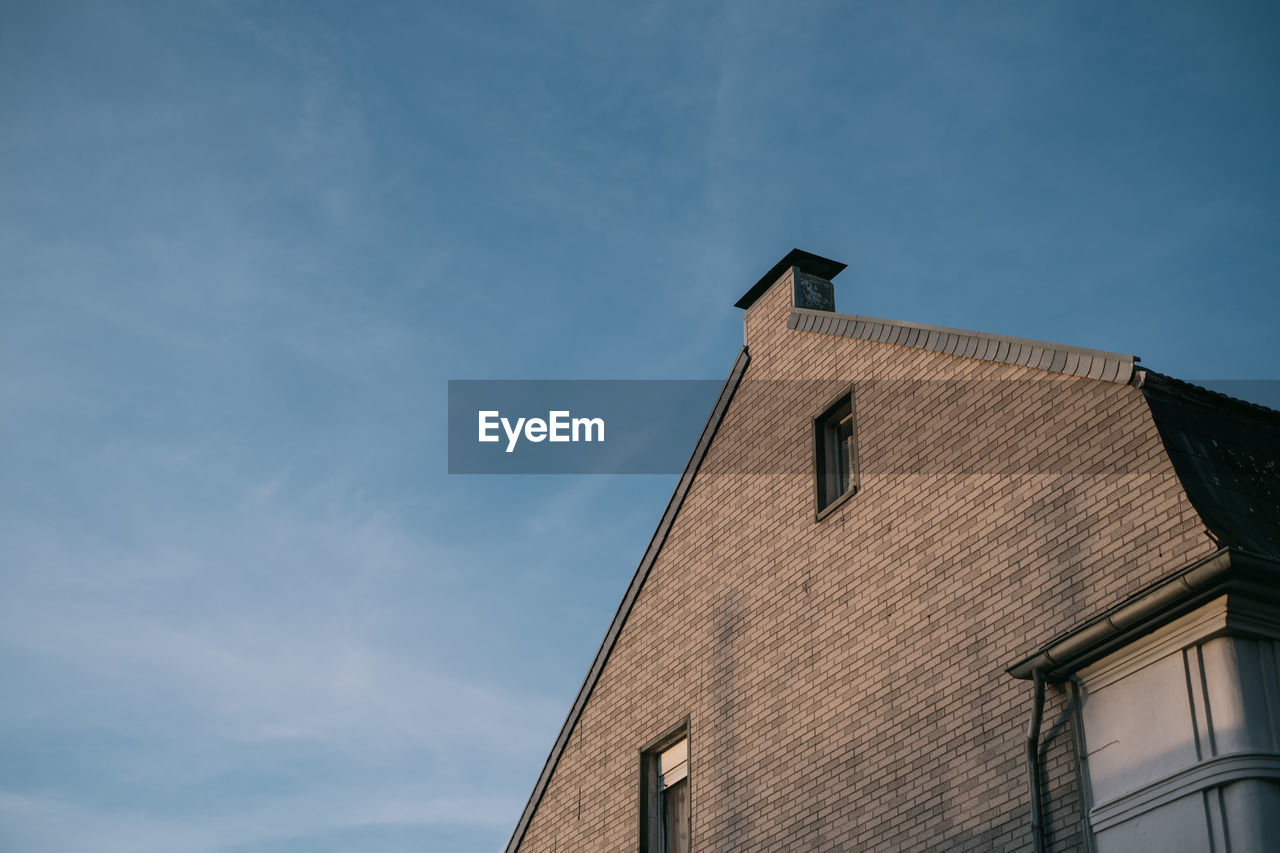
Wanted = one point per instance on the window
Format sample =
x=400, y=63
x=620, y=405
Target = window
x=664, y=819
x=835, y=453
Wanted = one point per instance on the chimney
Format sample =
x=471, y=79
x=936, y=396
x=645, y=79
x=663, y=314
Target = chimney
x=811, y=282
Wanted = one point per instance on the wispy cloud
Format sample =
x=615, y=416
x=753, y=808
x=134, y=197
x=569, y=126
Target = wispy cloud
x=244, y=247
x=60, y=826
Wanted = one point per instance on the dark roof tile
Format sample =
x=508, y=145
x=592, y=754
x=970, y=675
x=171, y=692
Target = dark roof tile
x=1226, y=452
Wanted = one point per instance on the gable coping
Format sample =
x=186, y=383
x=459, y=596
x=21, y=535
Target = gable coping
x=1056, y=358
x=633, y=592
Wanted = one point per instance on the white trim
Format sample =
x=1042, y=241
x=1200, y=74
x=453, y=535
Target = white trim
x=1227, y=614
x=1198, y=625
x=1208, y=774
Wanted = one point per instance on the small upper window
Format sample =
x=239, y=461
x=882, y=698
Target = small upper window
x=835, y=452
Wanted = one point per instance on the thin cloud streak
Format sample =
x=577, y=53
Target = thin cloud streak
x=56, y=826
x=245, y=248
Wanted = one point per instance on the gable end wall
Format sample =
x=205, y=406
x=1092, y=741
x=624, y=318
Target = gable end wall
x=844, y=679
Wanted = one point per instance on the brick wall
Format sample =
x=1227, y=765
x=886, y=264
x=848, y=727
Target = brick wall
x=844, y=679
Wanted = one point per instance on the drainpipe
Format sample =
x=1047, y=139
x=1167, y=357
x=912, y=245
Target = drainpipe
x=1033, y=762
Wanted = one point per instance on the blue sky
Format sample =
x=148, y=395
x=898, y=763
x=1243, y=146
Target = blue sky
x=245, y=245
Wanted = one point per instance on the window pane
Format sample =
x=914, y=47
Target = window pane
x=675, y=814
x=844, y=448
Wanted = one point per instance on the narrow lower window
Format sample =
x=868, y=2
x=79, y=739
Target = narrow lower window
x=835, y=452
x=664, y=803
x=673, y=766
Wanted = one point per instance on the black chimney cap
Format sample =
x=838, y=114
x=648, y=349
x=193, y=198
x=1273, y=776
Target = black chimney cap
x=806, y=261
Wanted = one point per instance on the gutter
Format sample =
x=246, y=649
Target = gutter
x=1228, y=569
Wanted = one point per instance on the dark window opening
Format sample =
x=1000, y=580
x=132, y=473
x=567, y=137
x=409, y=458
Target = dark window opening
x=835, y=452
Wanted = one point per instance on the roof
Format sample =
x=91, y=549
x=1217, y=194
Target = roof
x=1226, y=452
x=807, y=262
x=1056, y=358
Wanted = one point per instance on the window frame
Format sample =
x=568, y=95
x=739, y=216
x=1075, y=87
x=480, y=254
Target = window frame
x=826, y=453
x=650, y=808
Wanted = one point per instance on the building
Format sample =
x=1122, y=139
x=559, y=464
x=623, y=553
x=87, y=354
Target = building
x=927, y=589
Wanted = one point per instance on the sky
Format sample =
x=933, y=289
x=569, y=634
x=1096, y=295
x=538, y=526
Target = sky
x=244, y=246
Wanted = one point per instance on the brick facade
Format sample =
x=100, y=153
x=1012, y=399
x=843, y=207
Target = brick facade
x=844, y=679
